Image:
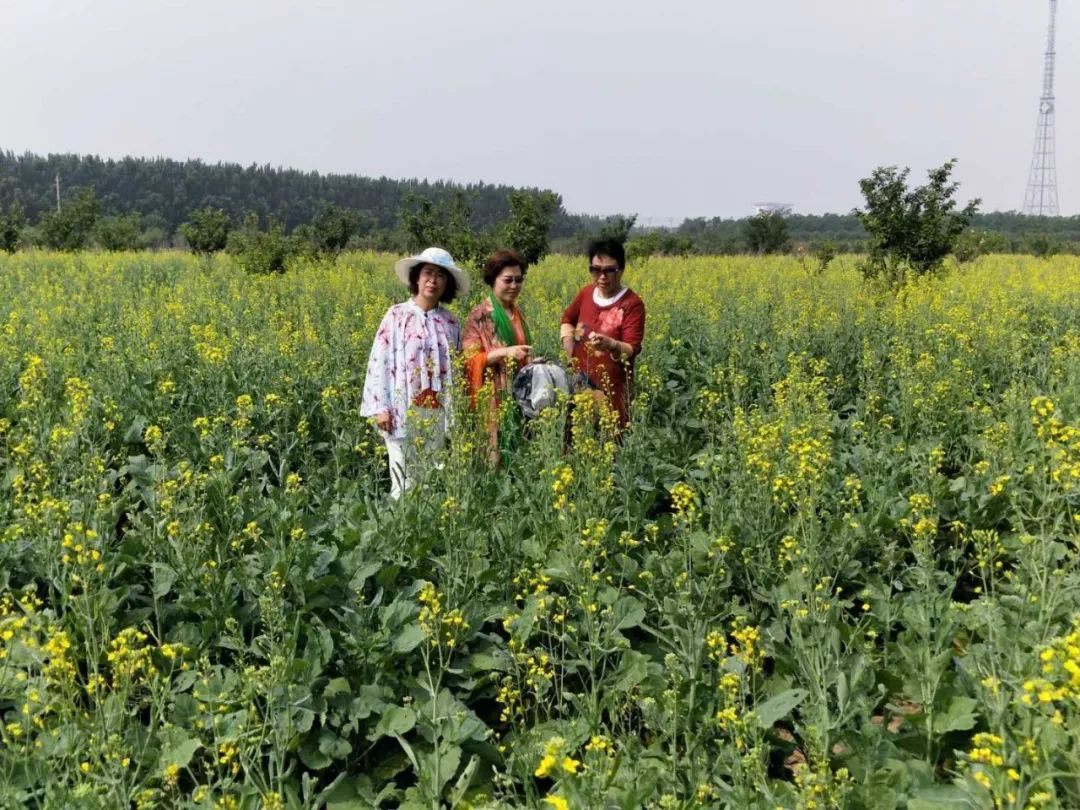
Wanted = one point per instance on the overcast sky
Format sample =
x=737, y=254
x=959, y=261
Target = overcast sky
x=667, y=109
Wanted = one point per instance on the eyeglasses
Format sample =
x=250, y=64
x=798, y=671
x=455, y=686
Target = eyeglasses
x=602, y=271
x=512, y=280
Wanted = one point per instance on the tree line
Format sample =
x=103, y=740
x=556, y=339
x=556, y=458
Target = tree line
x=134, y=203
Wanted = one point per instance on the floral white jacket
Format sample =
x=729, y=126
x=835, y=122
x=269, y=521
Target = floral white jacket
x=411, y=355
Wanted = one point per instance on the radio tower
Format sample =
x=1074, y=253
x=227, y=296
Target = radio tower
x=1041, y=198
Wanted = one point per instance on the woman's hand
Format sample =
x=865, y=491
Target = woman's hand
x=385, y=421
x=601, y=342
x=516, y=353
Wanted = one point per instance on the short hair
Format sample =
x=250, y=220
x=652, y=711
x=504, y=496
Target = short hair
x=608, y=247
x=499, y=261
x=448, y=295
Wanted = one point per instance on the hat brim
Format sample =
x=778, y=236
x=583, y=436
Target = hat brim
x=461, y=278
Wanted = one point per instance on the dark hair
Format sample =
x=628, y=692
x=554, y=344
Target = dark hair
x=499, y=261
x=608, y=247
x=451, y=283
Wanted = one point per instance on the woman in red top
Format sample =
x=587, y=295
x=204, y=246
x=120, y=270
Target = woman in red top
x=603, y=327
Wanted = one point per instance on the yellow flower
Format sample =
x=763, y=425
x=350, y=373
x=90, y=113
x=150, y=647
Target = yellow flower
x=547, y=764
x=570, y=765
x=557, y=802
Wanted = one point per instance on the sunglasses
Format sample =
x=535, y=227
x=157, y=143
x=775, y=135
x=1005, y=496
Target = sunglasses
x=602, y=271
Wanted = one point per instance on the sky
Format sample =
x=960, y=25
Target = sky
x=672, y=109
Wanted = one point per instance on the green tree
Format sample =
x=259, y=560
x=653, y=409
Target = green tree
x=617, y=227
x=824, y=251
x=118, y=232
x=976, y=242
x=11, y=227
x=263, y=252
x=1041, y=244
x=332, y=229
x=911, y=228
x=70, y=228
x=767, y=232
x=531, y=216
x=641, y=248
x=674, y=244
x=447, y=225
x=206, y=230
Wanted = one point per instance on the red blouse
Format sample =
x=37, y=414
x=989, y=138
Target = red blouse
x=624, y=321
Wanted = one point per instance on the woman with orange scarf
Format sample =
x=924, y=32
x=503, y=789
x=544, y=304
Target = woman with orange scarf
x=496, y=343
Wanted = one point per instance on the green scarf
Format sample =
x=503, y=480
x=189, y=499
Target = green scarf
x=504, y=330
x=510, y=422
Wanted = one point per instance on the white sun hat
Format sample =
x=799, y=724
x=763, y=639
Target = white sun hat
x=440, y=258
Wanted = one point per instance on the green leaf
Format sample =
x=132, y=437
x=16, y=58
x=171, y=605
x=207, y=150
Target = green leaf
x=396, y=613
x=408, y=639
x=628, y=612
x=942, y=797
x=164, y=579
x=395, y=721
x=334, y=746
x=320, y=646
x=178, y=748
x=313, y=758
x=960, y=715
x=486, y=662
x=463, y=781
x=633, y=669
x=337, y=686
x=363, y=573
x=184, y=681
x=778, y=706
x=449, y=760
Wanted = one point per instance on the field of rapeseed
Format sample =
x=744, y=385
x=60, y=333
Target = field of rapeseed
x=833, y=563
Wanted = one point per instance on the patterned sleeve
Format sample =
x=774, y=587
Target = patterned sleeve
x=378, y=384
x=473, y=339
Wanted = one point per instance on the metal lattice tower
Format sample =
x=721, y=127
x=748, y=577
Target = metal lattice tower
x=1041, y=198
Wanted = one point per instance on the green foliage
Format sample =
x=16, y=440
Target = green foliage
x=976, y=242
x=767, y=232
x=71, y=227
x=206, y=230
x=1041, y=244
x=617, y=227
x=640, y=248
x=118, y=232
x=171, y=189
x=674, y=244
x=263, y=252
x=824, y=251
x=448, y=225
x=11, y=227
x=165, y=192
x=332, y=229
x=531, y=216
x=832, y=563
x=657, y=242
x=153, y=237
x=911, y=228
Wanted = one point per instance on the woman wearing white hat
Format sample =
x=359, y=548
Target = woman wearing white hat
x=410, y=370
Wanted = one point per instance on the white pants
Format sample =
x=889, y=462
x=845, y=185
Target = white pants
x=424, y=437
